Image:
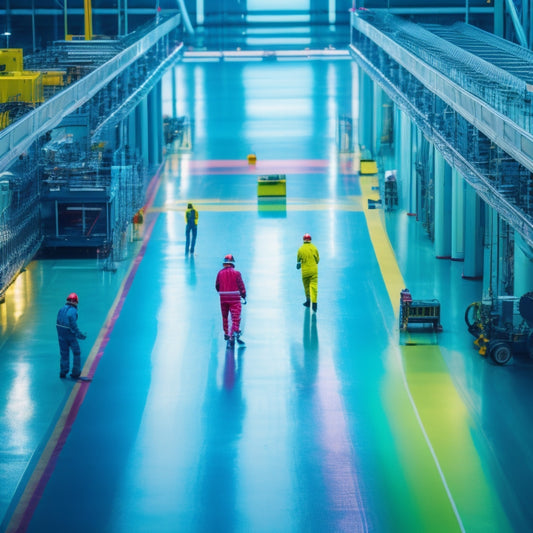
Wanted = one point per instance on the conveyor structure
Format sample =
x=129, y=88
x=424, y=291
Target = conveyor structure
x=470, y=94
x=69, y=159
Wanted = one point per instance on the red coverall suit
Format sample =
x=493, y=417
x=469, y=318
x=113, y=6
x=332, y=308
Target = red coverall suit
x=230, y=286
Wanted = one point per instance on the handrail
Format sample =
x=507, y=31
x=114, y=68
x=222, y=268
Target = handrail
x=19, y=136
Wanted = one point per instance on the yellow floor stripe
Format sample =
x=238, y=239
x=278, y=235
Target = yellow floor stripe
x=443, y=417
x=262, y=205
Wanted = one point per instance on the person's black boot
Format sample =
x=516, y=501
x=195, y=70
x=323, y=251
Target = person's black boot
x=307, y=303
x=314, y=307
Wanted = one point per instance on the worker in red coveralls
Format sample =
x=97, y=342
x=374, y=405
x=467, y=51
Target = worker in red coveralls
x=231, y=289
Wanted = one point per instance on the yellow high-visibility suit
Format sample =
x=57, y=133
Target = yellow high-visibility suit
x=308, y=259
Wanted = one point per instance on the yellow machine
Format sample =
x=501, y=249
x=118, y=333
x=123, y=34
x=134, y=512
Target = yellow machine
x=368, y=166
x=11, y=60
x=25, y=86
x=21, y=90
x=54, y=77
x=53, y=82
x=273, y=185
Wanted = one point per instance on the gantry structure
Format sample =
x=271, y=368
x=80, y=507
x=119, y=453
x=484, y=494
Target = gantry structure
x=73, y=169
x=469, y=92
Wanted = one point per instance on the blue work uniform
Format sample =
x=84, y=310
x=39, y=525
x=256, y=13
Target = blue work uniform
x=68, y=334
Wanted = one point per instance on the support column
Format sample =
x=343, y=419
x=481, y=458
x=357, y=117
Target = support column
x=160, y=130
x=153, y=127
x=142, y=130
x=523, y=267
x=173, y=76
x=458, y=245
x=499, y=17
x=132, y=136
x=404, y=158
x=490, y=259
x=442, y=207
x=473, y=235
x=366, y=106
x=377, y=115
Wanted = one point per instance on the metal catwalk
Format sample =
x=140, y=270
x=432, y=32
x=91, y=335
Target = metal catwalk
x=323, y=422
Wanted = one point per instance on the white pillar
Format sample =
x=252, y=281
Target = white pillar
x=442, y=207
x=458, y=245
x=473, y=236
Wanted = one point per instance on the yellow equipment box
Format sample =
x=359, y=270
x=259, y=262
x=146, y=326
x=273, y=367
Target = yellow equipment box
x=368, y=166
x=26, y=86
x=54, y=77
x=272, y=185
x=11, y=60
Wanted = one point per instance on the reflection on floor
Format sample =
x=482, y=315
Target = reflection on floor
x=324, y=421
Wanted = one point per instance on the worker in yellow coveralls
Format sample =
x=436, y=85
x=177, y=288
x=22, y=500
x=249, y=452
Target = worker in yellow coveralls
x=307, y=260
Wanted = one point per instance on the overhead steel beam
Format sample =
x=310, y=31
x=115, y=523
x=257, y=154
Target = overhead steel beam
x=80, y=11
x=515, y=217
x=501, y=130
x=520, y=33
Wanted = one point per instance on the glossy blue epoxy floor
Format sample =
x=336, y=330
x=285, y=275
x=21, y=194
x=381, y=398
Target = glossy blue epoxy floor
x=305, y=428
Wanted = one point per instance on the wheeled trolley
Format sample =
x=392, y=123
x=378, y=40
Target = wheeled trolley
x=418, y=312
x=502, y=326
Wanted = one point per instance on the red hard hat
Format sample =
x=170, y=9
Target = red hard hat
x=229, y=260
x=307, y=237
x=72, y=297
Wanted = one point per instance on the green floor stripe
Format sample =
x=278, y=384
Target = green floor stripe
x=449, y=487
x=449, y=427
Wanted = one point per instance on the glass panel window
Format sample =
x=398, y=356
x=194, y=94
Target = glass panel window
x=278, y=5
x=81, y=220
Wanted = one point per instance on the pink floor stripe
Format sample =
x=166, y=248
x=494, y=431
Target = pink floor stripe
x=84, y=386
x=236, y=163
x=236, y=166
x=82, y=390
x=256, y=172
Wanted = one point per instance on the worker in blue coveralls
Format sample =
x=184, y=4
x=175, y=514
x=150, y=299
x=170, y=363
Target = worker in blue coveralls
x=68, y=334
x=191, y=228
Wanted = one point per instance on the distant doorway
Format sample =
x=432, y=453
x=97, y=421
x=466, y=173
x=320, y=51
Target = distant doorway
x=278, y=11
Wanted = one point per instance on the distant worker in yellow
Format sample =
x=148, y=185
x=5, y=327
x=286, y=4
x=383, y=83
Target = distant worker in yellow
x=191, y=228
x=307, y=260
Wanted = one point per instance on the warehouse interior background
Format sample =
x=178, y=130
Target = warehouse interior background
x=423, y=113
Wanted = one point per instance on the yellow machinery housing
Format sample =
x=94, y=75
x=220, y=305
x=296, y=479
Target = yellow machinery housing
x=21, y=90
x=53, y=82
x=11, y=60
x=25, y=86
x=368, y=166
x=54, y=77
x=272, y=185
